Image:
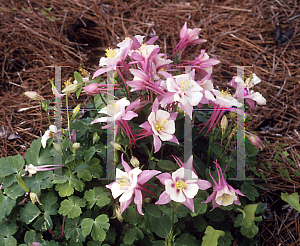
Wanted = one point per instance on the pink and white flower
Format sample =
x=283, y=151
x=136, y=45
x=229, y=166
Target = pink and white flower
x=185, y=90
x=130, y=183
x=188, y=37
x=31, y=169
x=160, y=124
x=223, y=193
x=182, y=186
x=48, y=134
x=120, y=115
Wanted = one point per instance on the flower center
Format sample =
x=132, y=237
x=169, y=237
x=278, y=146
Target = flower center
x=123, y=181
x=226, y=199
x=161, y=124
x=226, y=94
x=67, y=82
x=180, y=185
x=112, y=108
x=186, y=85
x=110, y=53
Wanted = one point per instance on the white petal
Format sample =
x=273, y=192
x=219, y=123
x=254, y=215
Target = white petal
x=126, y=195
x=191, y=190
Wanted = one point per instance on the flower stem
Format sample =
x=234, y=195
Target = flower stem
x=68, y=115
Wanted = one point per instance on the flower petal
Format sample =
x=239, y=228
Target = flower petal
x=164, y=198
x=189, y=203
x=191, y=190
x=138, y=200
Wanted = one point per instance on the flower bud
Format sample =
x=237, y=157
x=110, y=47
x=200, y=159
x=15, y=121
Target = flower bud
x=76, y=146
x=147, y=199
x=76, y=110
x=117, y=213
x=70, y=88
x=34, y=198
x=224, y=124
x=33, y=95
x=117, y=146
x=134, y=161
x=255, y=140
x=92, y=89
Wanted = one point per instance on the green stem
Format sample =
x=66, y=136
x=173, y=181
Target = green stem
x=93, y=102
x=102, y=99
x=149, y=226
x=68, y=115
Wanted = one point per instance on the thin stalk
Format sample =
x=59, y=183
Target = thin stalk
x=102, y=99
x=68, y=115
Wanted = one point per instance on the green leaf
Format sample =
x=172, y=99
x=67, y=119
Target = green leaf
x=31, y=236
x=166, y=165
x=293, y=200
x=249, y=214
x=73, y=230
x=88, y=154
x=6, y=232
x=215, y=148
x=199, y=207
x=248, y=190
x=86, y=226
x=78, y=77
x=249, y=232
x=161, y=226
x=71, y=206
x=32, y=154
x=98, y=196
x=225, y=240
x=200, y=223
x=80, y=127
x=186, y=240
x=96, y=228
x=64, y=189
x=29, y=213
x=211, y=236
x=11, y=164
x=132, y=235
x=131, y=216
x=14, y=191
x=152, y=210
x=42, y=180
x=81, y=167
x=6, y=205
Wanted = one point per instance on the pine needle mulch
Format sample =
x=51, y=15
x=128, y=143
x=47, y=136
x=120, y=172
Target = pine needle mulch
x=37, y=34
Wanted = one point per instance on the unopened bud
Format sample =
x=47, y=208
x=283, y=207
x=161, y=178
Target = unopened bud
x=147, y=199
x=134, y=161
x=76, y=110
x=33, y=95
x=34, y=198
x=76, y=146
x=255, y=140
x=224, y=124
x=117, y=146
x=232, y=115
x=117, y=213
x=70, y=88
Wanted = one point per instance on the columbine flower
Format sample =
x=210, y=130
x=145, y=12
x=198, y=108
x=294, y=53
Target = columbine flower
x=182, y=186
x=95, y=88
x=119, y=116
x=188, y=37
x=130, y=183
x=48, y=134
x=185, y=90
x=160, y=124
x=31, y=169
x=243, y=89
x=223, y=193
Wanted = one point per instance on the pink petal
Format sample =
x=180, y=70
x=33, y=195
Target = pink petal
x=157, y=143
x=138, y=200
x=124, y=205
x=189, y=163
x=189, y=203
x=163, y=177
x=102, y=71
x=146, y=175
x=164, y=198
x=125, y=165
x=129, y=115
x=203, y=184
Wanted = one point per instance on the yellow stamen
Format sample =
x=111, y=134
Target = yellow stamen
x=186, y=85
x=143, y=45
x=110, y=53
x=128, y=38
x=180, y=185
x=226, y=94
x=123, y=181
x=84, y=72
x=226, y=199
x=67, y=82
x=161, y=124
